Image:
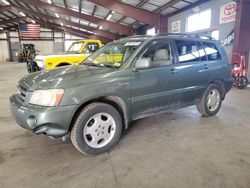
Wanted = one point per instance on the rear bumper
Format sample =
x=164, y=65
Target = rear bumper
x=51, y=121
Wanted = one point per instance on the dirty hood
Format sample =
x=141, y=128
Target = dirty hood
x=64, y=77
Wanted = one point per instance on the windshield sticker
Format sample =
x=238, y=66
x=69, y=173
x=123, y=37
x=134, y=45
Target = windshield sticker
x=132, y=43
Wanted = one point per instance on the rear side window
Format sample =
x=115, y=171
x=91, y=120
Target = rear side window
x=188, y=51
x=211, y=51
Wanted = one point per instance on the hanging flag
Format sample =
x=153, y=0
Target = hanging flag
x=29, y=30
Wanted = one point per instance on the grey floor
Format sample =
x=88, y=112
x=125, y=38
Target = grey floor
x=174, y=150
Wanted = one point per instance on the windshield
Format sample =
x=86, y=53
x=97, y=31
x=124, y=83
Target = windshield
x=113, y=55
x=75, y=47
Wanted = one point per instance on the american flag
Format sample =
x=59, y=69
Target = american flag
x=29, y=30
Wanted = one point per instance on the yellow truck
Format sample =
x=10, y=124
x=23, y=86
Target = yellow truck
x=76, y=53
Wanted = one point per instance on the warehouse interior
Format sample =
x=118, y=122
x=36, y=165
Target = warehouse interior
x=173, y=149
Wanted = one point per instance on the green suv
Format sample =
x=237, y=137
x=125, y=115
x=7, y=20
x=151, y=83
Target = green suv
x=128, y=79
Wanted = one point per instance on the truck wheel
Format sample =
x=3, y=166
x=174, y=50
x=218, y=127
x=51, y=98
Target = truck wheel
x=97, y=128
x=241, y=82
x=211, y=101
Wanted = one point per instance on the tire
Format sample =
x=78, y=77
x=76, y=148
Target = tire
x=206, y=108
x=241, y=82
x=88, y=134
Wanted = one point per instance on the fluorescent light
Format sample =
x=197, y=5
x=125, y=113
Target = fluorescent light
x=49, y=1
x=22, y=14
x=57, y=15
x=5, y=2
x=109, y=17
x=61, y=24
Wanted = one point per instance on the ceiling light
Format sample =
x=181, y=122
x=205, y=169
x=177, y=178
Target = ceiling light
x=5, y=2
x=49, y=1
x=22, y=14
x=109, y=17
x=33, y=21
x=61, y=24
x=1, y=28
x=57, y=15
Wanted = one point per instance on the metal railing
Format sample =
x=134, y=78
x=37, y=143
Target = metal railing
x=199, y=36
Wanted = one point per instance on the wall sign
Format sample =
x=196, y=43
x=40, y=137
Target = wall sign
x=229, y=39
x=228, y=12
x=176, y=26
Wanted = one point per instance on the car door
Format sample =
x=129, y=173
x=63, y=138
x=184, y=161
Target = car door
x=155, y=88
x=194, y=70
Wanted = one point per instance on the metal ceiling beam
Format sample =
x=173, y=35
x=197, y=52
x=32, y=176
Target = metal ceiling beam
x=73, y=31
x=167, y=5
x=5, y=8
x=12, y=20
x=129, y=10
x=106, y=24
x=66, y=22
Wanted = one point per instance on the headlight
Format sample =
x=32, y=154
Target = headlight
x=40, y=63
x=51, y=97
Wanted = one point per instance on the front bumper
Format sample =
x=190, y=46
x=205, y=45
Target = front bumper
x=51, y=121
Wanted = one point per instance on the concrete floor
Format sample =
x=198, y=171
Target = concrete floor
x=179, y=149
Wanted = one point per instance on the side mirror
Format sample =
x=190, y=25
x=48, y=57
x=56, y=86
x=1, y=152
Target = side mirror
x=143, y=63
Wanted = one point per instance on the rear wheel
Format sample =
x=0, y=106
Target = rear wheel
x=211, y=101
x=97, y=128
x=241, y=82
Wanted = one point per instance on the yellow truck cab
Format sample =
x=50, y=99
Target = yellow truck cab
x=76, y=53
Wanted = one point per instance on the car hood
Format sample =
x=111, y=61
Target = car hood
x=64, y=77
x=43, y=57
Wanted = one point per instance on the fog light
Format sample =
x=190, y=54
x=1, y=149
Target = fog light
x=32, y=121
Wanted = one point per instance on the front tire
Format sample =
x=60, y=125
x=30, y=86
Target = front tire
x=211, y=101
x=97, y=129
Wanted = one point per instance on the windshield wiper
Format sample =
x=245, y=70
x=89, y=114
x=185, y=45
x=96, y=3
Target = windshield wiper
x=109, y=65
x=92, y=64
x=106, y=64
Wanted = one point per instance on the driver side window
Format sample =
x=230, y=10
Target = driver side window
x=160, y=54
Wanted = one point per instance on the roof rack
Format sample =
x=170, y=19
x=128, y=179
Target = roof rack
x=200, y=36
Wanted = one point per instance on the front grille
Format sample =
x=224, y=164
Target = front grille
x=21, y=92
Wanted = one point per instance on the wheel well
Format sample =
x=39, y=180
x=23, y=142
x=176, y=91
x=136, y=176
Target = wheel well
x=62, y=64
x=114, y=101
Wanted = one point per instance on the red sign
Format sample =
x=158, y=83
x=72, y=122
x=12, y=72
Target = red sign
x=228, y=12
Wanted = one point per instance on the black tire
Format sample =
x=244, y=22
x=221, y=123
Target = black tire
x=77, y=135
x=202, y=106
x=241, y=82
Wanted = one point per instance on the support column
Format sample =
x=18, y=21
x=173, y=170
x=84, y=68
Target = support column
x=242, y=29
x=9, y=46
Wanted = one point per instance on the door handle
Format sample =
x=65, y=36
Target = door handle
x=173, y=71
x=206, y=66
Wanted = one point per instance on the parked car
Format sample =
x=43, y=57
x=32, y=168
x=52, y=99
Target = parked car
x=128, y=79
x=76, y=53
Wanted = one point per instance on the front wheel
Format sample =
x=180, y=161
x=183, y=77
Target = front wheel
x=211, y=101
x=97, y=128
